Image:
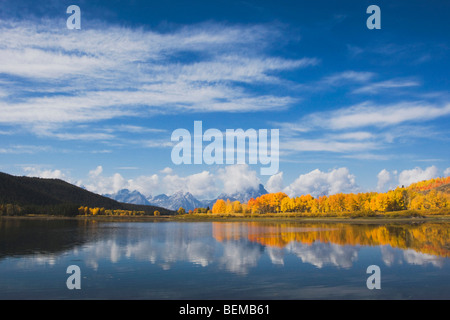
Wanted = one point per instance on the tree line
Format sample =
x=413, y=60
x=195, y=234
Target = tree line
x=419, y=196
x=62, y=209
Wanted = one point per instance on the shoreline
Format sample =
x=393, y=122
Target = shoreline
x=204, y=218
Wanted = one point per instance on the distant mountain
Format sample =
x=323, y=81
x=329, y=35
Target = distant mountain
x=175, y=201
x=184, y=199
x=29, y=191
x=242, y=196
x=127, y=196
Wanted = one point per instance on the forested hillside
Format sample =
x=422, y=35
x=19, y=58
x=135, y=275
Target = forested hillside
x=25, y=195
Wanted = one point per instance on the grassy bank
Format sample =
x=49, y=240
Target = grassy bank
x=410, y=214
x=404, y=215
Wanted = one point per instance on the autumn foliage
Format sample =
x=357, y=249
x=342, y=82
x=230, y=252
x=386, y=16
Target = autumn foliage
x=430, y=238
x=419, y=196
x=86, y=211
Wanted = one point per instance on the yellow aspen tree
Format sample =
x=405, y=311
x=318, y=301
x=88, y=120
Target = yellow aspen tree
x=237, y=207
x=219, y=207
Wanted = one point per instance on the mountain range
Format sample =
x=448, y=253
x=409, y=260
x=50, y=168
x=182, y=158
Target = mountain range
x=183, y=199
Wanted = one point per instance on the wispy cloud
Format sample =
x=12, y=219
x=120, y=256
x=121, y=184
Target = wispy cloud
x=326, y=145
x=410, y=53
x=376, y=87
x=115, y=71
x=348, y=76
x=24, y=149
x=135, y=129
x=369, y=114
x=357, y=131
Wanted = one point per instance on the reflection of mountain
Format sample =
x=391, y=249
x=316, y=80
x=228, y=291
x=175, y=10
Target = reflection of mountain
x=23, y=237
x=429, y=238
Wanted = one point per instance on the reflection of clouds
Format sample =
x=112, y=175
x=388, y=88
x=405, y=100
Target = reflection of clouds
x=115, y=252
x=38, y=259
x=200, y=254
x=164, y=244
x=276, y=255
x=194, y=251
x=321, y=254
x=240, y=256
x=155, y=244
x=392, y=256
x=413, y=257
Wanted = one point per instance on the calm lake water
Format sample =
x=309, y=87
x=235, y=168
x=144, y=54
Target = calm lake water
x=223, y=260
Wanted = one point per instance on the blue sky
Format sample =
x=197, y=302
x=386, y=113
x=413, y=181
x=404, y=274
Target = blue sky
x=357, y=109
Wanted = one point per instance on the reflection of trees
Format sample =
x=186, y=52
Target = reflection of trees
x=430, y=238
x=24, y=236
x=238, y=246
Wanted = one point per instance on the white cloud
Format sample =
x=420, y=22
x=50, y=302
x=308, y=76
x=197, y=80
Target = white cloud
x=388, y=84
x=391, y=179
x=28, y=62
x=357, y=135
x=366, y=114
x=329, y=145
x=384, y=178
x=201, y=185
x=237, y=178
x=355, y=130
x=230, y=179
x=319, y=183
x=101, y=184
x=348, y=76
x=167, y=170
x=147, y=185
x=102, y=63
x=135, y=129
x=275, y=183
x=447, y=172
x=45, y=173
x=96, y=172
x=407, y=177
x=24, y=149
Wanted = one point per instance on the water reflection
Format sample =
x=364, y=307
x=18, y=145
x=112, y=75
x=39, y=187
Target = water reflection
x=430, y=238
x=232, y=246
x=338, y=244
